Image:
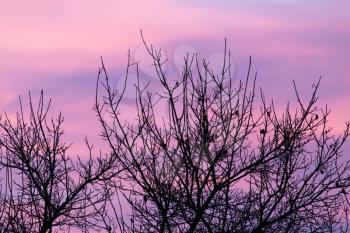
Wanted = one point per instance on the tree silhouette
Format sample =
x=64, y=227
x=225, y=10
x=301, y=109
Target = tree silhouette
x=43, y=188
x=221, y=159
x=225, y=160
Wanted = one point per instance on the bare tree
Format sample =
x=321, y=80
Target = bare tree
x=43, y=189
x=222, y=160
x=226, y=160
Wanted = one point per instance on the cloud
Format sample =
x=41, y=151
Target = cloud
x=56, y=46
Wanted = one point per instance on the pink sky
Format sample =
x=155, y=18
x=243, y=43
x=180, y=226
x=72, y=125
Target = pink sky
x=56, y=45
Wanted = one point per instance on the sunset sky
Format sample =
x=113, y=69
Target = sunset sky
x=56, y=46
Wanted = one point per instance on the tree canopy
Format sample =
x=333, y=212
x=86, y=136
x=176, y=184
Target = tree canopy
x=223, y=160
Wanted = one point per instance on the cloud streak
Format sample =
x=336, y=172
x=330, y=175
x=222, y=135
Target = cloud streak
x=56, y=46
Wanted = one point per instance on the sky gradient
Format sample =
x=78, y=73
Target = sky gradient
x=56, y=46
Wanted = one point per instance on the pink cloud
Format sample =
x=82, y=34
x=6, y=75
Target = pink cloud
x=56, y=45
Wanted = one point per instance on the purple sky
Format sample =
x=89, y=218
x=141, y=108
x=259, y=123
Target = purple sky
x=56, y=45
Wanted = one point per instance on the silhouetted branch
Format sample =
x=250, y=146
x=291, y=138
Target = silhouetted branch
x=220, y=163
x=45, y=189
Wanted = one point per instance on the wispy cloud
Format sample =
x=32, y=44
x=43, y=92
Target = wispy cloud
x=56, y=45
